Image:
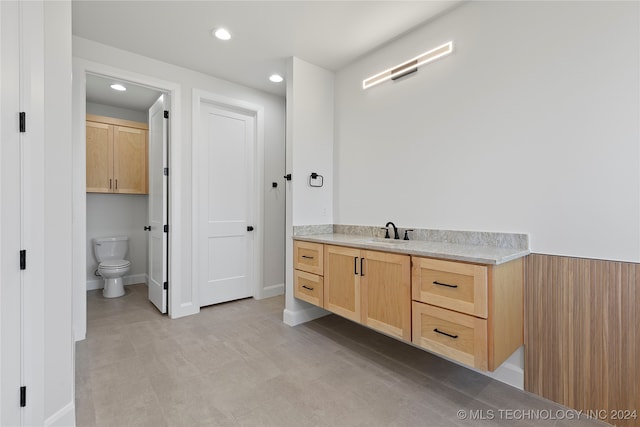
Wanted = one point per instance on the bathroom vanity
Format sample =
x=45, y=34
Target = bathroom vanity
x=461, y=301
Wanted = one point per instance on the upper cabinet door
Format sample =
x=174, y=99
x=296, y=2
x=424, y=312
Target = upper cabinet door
x=117, y=158
x=130, y=160
x=99, y=158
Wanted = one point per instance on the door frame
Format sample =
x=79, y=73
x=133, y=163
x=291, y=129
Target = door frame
x=257, y=111
x=81, y=68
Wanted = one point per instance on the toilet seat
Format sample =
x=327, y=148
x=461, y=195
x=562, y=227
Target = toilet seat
x=114, y=264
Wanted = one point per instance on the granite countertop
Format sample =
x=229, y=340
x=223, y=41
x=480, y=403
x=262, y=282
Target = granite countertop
x=443, y=250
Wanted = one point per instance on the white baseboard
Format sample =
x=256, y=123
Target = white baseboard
x=293, y=318
x=79, y=336
x=508, y=373
x=271, y=291
x=98, y=282
x=65, y=417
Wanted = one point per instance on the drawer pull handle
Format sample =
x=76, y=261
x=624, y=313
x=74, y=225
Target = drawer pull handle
x=307, y=257
x=444, y=284
x=306, y=287
x=444, y=333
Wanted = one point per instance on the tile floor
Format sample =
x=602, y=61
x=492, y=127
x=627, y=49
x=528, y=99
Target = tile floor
x=237, y=364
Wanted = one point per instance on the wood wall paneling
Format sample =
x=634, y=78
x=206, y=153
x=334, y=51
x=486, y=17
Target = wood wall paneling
x=582, y=334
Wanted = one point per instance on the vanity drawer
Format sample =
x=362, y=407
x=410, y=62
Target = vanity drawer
x=453, y=285
x=307, y=256
x=308, y=287
x=455, y=335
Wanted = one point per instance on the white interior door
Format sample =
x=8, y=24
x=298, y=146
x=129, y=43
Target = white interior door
x=158, y=202
x=226, y=174
x=11, y=202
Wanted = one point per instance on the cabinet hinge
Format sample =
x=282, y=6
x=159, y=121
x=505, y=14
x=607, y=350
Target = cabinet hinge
x=166, y=228
x=23, y=259
x=166, y=114
x=166, y=171
x=23, y=396
x=23, y=121
x=166, y=285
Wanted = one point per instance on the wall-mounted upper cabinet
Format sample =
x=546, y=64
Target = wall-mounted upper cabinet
x=117, y=156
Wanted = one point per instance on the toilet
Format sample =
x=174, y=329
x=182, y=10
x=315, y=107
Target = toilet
x=112, y=265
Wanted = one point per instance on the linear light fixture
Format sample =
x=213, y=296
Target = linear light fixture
x=408, y=67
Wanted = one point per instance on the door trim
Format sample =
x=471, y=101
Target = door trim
x=82, y=67
x=257, y=111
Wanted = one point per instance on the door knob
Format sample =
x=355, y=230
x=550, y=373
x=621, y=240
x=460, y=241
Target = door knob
x=250, y=228
x=147, y=228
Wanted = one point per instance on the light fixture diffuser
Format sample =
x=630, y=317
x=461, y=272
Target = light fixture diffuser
x=118, y=87
x=221, y=33
x=276, y=78
x=409, y=66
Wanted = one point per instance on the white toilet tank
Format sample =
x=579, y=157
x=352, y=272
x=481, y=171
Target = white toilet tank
x=109, y=248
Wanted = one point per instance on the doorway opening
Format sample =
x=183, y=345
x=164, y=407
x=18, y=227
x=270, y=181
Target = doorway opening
x=126, y=209
x=127, y=195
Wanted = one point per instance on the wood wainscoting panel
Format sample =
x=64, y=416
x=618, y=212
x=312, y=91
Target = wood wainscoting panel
x=582, y=335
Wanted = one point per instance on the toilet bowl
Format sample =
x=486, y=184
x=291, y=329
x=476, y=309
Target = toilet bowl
x=112, y=272
x=110, y=253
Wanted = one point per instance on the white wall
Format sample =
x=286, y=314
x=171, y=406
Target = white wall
x=118, y=112
x=188, y=80
x=310, y=106
x=309, y=149
x=58, y=357
x=118, y=214
x=531, y=125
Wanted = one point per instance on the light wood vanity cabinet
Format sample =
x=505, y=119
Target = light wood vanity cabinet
x=468, y=312
x=342, y=281
x=117, y=156
x=386, y=293
x=369, y=287
x=307, y=274
x=308, y=257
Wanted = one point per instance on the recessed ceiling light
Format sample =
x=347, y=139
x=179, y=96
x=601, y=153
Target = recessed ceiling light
x=221, y=33
x=276, y=78
x=119, y=87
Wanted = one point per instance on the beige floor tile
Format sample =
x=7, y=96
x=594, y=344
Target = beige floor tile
x=237, y=364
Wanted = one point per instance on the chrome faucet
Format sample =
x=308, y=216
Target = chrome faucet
x=395, y=231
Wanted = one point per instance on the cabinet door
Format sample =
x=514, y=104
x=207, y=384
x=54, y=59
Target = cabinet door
x=130, y=160
x=342, y=281
x=386, y=293
x=99, y=157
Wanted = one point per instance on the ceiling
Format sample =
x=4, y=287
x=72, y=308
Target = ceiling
x=330, y=34
x=136, y=97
